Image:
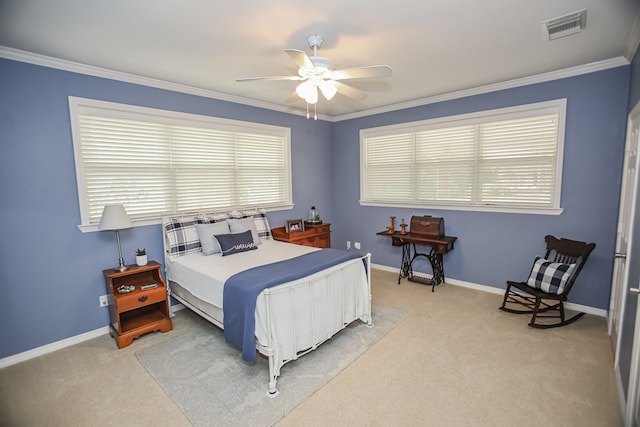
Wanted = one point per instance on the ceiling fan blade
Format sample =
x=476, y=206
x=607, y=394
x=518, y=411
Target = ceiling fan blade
x=247, y=79
x=349, y=91
x=362, y=72
x=293, y=97
x=300, y=58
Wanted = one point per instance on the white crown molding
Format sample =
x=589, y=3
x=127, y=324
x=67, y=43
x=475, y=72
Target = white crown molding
x=509, y=84
x=61, y=64
x=75, y=67
x=633, y=40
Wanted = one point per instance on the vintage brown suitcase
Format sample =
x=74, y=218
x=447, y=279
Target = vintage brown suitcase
x=427, y=226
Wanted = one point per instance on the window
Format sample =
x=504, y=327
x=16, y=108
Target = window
x=156, y=161
x=504, y=160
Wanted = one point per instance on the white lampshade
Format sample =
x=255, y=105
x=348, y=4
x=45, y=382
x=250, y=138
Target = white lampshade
x=114, y=217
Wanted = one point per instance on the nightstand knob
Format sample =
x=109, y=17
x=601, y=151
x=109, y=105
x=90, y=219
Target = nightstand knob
x=142, y=298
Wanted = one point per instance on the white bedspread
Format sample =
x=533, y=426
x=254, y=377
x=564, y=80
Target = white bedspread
x=206, y=275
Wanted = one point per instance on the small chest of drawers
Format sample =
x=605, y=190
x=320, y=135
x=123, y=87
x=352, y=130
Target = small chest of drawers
x=316, y=235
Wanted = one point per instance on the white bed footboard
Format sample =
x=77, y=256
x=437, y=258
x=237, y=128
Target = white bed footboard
x=295, y=318
x=292, y=319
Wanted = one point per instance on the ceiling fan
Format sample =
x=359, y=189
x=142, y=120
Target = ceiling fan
x=317, y=73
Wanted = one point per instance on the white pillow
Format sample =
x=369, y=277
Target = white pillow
x=207, y=232
x=240, y=225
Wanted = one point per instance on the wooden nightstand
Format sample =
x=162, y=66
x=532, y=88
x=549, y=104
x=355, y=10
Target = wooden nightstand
x=140, y=311
x=316, y=235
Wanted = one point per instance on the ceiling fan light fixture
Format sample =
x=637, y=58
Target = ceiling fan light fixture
x=328, y=89
x=308, y=91
x=317, y=74
x=312, y=97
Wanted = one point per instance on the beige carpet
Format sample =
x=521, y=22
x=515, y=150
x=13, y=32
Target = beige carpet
x=207, y=379
x=456, y=360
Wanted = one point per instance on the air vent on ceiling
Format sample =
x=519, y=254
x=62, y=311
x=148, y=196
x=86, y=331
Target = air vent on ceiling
x=565, y=25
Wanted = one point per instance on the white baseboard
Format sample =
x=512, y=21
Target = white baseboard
x=39, y=351
x=500, y=291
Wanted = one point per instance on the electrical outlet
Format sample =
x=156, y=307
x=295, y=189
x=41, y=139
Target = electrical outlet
x=104, y=300
x=348, y=244
x=356, y=245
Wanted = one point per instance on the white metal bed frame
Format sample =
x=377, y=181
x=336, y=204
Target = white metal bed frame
x=271, y=348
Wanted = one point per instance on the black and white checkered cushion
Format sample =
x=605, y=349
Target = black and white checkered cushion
x=550, y=277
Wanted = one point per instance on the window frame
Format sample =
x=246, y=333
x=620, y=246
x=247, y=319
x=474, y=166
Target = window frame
x=487, y=116
x=78, y=106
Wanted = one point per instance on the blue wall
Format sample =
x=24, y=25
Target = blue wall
x=495, y=247
x=52, y=272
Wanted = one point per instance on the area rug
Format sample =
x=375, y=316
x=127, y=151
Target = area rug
x=207, y=379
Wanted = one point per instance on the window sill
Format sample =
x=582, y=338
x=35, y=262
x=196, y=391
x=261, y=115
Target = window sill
x=497, y=209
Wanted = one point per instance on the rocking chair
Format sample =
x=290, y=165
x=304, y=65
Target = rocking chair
x=551, y=279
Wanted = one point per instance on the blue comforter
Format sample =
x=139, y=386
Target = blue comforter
x=241, y=292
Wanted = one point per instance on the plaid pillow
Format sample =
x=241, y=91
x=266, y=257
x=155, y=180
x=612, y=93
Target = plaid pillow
x=183, y=236
x=550, y=277
x=262, y=225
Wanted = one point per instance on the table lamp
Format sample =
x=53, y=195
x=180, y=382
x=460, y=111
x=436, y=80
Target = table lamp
x=114, y=217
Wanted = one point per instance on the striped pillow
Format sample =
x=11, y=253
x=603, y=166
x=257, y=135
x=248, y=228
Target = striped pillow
x=550, y=277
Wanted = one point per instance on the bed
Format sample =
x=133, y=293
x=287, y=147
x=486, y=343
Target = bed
x=297, y=313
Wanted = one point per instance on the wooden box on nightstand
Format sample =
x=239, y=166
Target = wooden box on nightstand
x=140, y=311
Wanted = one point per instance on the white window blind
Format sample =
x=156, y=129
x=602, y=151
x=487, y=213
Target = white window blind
x=158, y=162
x=509, y=158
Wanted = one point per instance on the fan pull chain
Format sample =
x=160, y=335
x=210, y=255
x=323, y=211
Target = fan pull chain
x=315, y=112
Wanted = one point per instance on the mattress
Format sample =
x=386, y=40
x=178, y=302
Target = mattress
x=204, y=276
x=334, y=296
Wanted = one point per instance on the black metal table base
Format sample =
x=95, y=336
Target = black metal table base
x=406, y=267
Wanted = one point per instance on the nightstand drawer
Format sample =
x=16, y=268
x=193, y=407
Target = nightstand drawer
x=140, y=298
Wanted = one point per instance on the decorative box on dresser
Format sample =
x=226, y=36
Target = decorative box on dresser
x=316, y=235
x=142, y=310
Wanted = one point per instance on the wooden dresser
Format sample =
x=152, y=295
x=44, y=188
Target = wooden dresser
x=316, y=235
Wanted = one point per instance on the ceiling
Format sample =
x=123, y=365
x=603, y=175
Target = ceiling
x=434, y=47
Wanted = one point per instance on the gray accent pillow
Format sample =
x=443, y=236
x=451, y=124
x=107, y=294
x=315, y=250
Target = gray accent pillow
x=207, y=232
x=245, y=224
